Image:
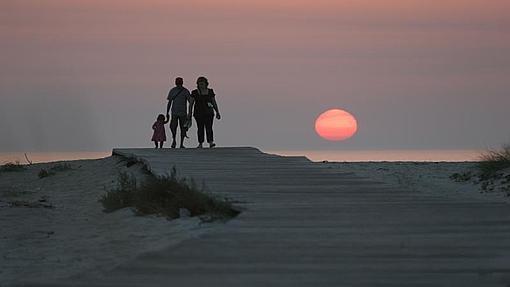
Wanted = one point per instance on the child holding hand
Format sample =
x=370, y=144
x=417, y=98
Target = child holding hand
x=159, y=136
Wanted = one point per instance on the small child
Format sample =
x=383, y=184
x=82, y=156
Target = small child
x=159, y=136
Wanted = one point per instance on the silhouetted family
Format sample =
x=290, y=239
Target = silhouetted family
x=201, y=103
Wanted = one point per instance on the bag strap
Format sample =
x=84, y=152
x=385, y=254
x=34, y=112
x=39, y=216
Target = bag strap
x=178, y=93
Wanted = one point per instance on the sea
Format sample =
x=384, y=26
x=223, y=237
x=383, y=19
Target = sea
x=314, y=155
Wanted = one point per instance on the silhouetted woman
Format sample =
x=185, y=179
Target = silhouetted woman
x=204, y=107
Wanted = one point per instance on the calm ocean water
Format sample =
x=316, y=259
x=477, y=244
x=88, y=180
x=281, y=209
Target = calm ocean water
x=38, y=157
x=387, y=155
x=336, y=155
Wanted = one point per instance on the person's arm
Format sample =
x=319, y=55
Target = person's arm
x=191, y=101
x=169, y=105
x=215, y=107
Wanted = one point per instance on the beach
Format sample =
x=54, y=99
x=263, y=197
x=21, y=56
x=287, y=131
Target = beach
x=55, y=228
x=425, y=177
x=254, y=143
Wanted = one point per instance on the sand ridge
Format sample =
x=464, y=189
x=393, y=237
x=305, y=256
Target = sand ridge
x=65, y=232
x=303, y=224
x=426, y=177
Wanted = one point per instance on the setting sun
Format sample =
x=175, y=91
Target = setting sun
x=336, y=125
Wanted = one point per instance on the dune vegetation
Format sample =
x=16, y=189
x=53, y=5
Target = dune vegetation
x=166, y=196
x=12, y=167
x=46, y=172
x=494, y=161
x=492, y=172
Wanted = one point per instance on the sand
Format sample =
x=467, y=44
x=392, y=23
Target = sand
x=304, y=224
x=427, y=177
x=55, y=228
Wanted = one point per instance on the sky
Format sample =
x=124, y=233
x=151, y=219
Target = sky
x=92, y=75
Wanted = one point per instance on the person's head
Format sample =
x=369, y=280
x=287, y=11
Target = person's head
x=202, y=83
x=179, y=81
x=161, y=118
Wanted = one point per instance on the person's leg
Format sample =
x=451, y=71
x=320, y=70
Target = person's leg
x=182, y=121
x=183, y=136
x=200, y=129
x=156, y=144
x=161, y=144
x=209, y=130
x=173, y=128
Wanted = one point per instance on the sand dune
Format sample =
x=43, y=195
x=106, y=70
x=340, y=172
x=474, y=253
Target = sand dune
x=427, y=177
x=54, y=227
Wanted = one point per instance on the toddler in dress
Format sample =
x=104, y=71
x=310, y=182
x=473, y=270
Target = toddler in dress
x=159, y=136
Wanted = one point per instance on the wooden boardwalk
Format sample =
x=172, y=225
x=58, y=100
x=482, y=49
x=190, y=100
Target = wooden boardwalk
x=304, y=224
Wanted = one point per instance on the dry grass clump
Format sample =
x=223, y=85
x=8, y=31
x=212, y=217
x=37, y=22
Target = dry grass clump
x=61, y=167
x=493, y=171
x=462, y=177
x=54, y=169
x=494, y=161
x=165, y=196
x=45, y=173
x=12, y=167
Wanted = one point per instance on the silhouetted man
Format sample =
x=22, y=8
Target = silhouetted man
x=178, y=99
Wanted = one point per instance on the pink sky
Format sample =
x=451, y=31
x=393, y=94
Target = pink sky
x=417, y=74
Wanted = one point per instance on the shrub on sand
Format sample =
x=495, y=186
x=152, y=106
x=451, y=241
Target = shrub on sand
x=494, y=161
x=165, y=196
x=12, y=167
x=61, y=167
x=54, y=169
x=45, y=173
x=122, y=196
x=462, y=177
